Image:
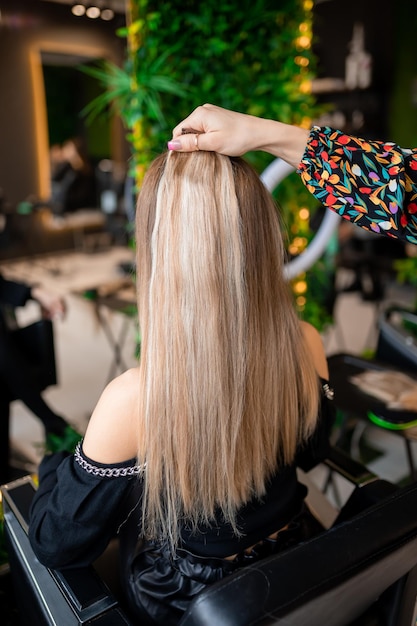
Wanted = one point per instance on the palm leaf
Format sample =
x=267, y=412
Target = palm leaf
x=132, y=101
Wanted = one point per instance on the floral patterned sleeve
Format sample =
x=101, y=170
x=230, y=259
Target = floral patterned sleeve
x=371, y=183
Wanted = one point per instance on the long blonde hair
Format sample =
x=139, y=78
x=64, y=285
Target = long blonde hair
x=227, y=387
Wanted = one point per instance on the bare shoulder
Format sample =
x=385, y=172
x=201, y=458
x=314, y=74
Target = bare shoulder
x=112, y=432
x=121, y=392
x=315, y=344
x=126, y=382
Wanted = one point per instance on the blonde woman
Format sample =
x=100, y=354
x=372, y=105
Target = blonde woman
x=192, y=456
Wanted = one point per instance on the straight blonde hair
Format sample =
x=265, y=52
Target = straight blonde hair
x=228, y=389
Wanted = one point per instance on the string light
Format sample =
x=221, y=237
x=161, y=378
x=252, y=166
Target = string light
x=92, y=11
x=300, y=287
x=107, y=15
x=303, y=42
x=78, y=10
x=302, y=61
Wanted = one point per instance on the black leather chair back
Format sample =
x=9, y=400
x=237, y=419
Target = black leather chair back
x=368, y=561
x=397, y=339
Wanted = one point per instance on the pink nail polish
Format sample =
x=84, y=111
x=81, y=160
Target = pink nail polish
x=174, y=145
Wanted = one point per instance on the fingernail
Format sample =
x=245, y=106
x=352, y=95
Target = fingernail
x=174, y=145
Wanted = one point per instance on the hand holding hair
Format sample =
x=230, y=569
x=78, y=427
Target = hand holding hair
x=234, y=134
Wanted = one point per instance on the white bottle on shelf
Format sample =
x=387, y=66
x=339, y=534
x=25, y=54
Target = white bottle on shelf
x=358, y=67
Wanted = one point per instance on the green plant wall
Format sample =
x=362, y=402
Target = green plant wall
x=251, y=56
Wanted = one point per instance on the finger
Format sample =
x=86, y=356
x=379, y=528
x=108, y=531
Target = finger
x=194, y=121
x=190, y=142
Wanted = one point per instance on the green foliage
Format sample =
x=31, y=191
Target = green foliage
x=291, y=195
x=240, y=56
x=133, y=96
x=407, y=273
x=320, y=296
x=407, y=270
x=65, y=443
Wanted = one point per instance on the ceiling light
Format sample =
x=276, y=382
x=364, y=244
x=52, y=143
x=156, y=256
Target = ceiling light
x=78, y=10
x=93, y=12
x=107, y=15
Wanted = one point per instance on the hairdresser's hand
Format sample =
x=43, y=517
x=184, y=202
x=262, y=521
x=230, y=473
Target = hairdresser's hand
x=220, y=130
x=234, y=134
x=53, y=306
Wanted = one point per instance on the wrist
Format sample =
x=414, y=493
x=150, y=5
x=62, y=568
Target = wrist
x=285, y=141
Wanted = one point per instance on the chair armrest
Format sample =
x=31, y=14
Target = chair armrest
x=368, y=490
x=353, y=471
x=366, y=487
x=45, y=597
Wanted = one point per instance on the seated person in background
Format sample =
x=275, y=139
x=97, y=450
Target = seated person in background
x=72, y=178
x=201, y=440
x=16, y=379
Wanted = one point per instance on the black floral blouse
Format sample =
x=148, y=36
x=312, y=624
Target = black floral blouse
x=370, y=183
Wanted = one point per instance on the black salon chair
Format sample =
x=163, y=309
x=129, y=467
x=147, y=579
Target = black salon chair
x=361, y=571
x=396, y=350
